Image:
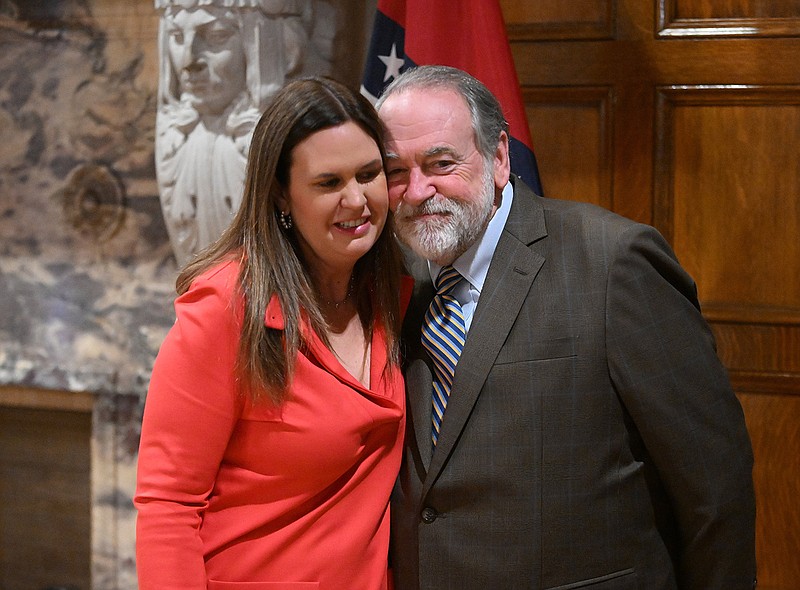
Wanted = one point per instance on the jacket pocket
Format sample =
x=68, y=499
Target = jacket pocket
x=538, y=350
x=621, y=580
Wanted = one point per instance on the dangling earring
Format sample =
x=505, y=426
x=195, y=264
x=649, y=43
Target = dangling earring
x=285, y=220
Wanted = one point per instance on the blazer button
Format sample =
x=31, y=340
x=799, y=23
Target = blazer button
x=428, y=515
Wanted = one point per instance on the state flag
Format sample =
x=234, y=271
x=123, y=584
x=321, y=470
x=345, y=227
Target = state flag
x=467, y=34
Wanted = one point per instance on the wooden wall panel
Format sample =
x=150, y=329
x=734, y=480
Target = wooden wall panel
x=714, y=202
x=717, y=9
x=572, y=141
x=543, y=19
x=44, y=498
x=764, y=345
x=726, y=186
x=732, y=18
x=702, y=104
x=774, y=425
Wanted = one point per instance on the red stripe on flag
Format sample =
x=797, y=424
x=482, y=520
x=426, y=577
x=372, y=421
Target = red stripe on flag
x=395, y=10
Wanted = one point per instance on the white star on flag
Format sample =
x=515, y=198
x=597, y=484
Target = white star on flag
x=393, y=63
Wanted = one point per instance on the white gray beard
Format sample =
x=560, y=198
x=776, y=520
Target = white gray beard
x=444, y=239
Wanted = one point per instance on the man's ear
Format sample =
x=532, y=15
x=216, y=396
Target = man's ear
x=502, y=162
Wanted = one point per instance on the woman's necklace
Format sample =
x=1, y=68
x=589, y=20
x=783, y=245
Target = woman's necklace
x=337, y=304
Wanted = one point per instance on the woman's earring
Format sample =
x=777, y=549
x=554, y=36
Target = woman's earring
x=285, y=220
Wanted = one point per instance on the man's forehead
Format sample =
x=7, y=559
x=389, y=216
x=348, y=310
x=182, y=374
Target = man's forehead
x=416, y=100
x=431, y=120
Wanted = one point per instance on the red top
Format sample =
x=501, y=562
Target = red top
x=288, y=497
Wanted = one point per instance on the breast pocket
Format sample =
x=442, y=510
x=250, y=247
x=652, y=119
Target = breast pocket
x=522, y=369
x=621, y=580
x=530, y=349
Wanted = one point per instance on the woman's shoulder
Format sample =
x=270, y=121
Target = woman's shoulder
x=222, y=273
x=214, y=292
x=222, y=277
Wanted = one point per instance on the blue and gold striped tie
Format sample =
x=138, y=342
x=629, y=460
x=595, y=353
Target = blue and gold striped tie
x=443, y=335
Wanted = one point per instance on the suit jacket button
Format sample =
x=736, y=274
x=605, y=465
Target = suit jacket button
x=428, y=515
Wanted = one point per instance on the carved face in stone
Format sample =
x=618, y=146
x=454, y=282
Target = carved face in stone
x=207, y=54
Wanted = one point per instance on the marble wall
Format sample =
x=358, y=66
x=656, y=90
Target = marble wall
x=86, y=269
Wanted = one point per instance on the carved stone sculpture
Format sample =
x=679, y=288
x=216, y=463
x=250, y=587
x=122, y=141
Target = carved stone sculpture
x=221, y=61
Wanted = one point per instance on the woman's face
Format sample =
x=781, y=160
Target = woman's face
x=337, y=197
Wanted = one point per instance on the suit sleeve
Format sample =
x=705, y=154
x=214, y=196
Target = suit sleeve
x=663, y=362
x=190, y=411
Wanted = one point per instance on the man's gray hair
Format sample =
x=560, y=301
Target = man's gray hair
x=485, y=110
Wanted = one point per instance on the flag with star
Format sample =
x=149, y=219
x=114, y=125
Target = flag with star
x=468, y=34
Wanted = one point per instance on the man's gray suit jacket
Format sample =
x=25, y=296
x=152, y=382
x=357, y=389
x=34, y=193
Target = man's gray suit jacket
x=591, y=439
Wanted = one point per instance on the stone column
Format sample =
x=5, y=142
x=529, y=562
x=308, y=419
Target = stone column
x=221, y=61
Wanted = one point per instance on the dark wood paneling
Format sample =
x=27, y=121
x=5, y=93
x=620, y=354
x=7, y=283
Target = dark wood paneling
x=554, y=19
x=704, y=113
x=573, y=142
x=713, y=201
x=774, y=425
x=645, y=61
x=714, y=9
x=733, y=18
x=766, y=348
x=45, y=527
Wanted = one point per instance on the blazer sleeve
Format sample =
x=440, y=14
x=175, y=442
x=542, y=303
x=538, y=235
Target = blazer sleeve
x=663, y=361
x=190, y=411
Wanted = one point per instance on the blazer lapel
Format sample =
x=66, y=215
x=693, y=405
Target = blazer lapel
x=419, y=378
x=418, y=367
x=511, y=273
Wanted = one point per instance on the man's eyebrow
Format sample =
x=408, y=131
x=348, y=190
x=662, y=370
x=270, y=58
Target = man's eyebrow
x=441, y=150
x=429, y=153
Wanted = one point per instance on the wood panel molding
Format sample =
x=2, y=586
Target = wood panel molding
x=44, y=399
x=764, y=353
x=751, y=314
x=711, y=204
x=676, y=19
x=556, y=20
x=45, y=501
x=773, y=421
x=580, y=168
x=771, y=351
x=753, y=382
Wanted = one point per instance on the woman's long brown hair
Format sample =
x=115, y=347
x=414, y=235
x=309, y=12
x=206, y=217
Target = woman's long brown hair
x=269, y=257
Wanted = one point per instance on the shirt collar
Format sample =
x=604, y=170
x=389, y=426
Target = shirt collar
x=473, y=264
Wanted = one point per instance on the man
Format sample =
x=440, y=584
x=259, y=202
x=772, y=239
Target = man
x=590, y=437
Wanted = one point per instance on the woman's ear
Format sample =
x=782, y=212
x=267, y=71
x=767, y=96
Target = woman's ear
x=282, y=202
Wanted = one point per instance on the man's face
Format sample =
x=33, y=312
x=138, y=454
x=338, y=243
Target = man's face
x=441, y=188
x=207, y=53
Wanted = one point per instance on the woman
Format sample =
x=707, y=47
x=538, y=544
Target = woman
x=273, y=424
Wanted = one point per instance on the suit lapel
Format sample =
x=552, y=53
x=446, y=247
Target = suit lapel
x=511, y=273
x=419, y=377
x=418, y=368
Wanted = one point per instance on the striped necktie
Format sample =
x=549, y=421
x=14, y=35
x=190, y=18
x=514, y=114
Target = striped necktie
x=443, y=335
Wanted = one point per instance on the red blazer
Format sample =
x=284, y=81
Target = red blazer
x=232, y=495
